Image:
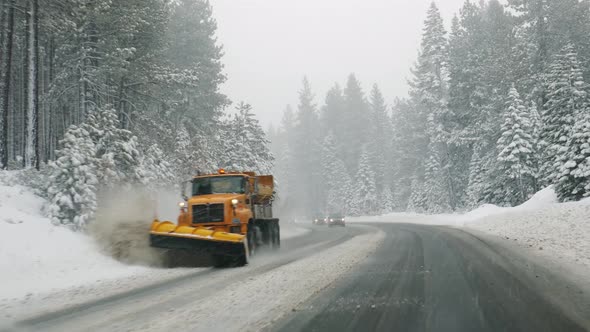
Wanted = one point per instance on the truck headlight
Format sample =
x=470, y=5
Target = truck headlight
x=234, y=201
x=182, y=205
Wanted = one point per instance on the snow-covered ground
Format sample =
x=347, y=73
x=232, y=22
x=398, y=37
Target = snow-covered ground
x=558, y=231
x=36, y=256
x=38, y=259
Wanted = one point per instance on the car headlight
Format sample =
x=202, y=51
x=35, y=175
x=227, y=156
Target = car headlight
x=234, y=201
x=331, y=219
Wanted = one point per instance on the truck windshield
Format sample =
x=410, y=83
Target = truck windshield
x=219, y=185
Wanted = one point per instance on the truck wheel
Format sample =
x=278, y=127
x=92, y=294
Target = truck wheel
x=276, y=239
x=251, y=238
x=259, y=237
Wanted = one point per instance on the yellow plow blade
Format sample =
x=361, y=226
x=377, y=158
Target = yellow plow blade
x=221, y=246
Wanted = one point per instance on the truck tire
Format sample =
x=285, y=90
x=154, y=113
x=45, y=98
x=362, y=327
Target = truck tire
x=251, y=238
x=275, y=236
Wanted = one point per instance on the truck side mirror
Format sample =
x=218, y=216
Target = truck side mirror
x=183, y=186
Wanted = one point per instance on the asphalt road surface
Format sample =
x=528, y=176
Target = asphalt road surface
x=428, y=278
x=421, y=278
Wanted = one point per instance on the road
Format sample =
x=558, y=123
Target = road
x=419, y=278
x=141, y=309
x=428, y=278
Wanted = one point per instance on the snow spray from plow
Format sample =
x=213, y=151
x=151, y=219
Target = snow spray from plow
x=122, y=224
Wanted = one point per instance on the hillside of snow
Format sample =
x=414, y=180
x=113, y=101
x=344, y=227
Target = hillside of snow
x=36, y=256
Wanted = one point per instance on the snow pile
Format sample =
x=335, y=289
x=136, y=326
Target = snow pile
x=543, y=198
x=37, y=257
x=555, y=230
x=560, y=231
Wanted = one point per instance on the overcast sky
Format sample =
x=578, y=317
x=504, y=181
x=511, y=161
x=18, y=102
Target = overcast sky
x=270, y=45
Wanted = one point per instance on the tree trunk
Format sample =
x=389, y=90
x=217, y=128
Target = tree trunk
x=2, y=34
x=52, y=123
x=36, y=113
x=7, y=82
x=29, y=72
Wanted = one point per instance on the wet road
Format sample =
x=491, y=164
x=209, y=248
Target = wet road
x=428, y=278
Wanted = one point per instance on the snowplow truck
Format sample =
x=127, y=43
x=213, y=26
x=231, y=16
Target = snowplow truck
x=225, y=219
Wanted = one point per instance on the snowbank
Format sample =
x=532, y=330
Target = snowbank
x=36, y=256
x=555, y=230
x=543, y=198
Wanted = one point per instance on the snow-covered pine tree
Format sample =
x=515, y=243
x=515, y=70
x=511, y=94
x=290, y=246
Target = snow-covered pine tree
x=407, y=155
x=182, y=156
x=573, y=180
x=308, y=188
x=337, y=182
x=476, y=181
x=356, y=126
x=536, y=127
x=247, y=148
x=380, y=138
x=516, y=149
x=157, y=170
x=566, y=96
x=429, y=91
x=366, y=191
x=417, y=200
x=257, y=140
x=117, y=153
x=435, y=197
x=72, y=188
x=386, y=200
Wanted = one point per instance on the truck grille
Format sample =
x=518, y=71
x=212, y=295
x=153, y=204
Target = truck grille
x=205, y=213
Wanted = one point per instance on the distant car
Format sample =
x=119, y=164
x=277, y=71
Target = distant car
x=319, y=220
x=336, y=220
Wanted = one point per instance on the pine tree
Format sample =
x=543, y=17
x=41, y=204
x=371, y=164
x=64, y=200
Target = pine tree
x=117, y=153
x=380, y=139
x=476, y=181
x=566, y=96
x=284, y=171
x=516, y=148
x=573, y=179
x=407, y=154
x=387, y=201
x=247, y=147
x=193, y=46
x=156, y=169
x=436, y=200
x=429, y=90
x=308, y=188
x=417, y=200
x=72, y=189
x=182, y=156
x=356, y=123
x=337, y=181
x=366, y=191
